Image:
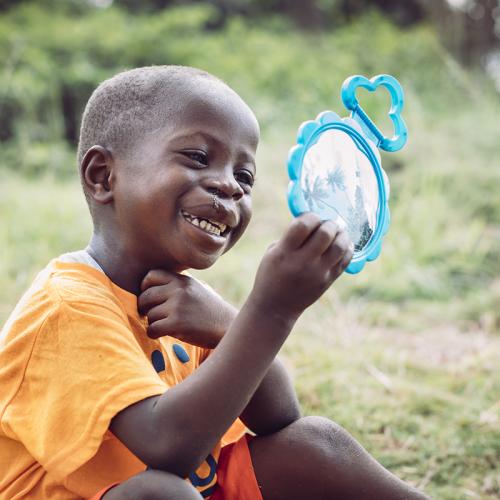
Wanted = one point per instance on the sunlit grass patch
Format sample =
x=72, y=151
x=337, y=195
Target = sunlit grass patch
x=425, y=404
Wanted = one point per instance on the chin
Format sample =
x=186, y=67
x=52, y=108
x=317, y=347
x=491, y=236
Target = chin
x=201, y=261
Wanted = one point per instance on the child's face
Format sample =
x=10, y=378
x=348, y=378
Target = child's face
x=184, y=197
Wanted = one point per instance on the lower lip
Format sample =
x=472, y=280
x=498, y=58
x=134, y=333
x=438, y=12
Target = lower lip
x=208, y=237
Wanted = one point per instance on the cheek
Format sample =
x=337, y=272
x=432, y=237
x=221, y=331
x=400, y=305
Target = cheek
x=140, y=192
x=246, y=215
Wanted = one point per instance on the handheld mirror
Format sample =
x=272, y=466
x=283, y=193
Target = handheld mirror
x=335, y=168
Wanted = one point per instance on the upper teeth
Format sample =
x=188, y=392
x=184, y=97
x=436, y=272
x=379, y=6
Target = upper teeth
x=207, y=225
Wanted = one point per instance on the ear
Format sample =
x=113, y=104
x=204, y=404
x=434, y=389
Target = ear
x=98, y=174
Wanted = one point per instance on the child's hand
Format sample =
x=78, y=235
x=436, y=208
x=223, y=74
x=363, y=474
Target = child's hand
x=182, y=307
x=297, y=269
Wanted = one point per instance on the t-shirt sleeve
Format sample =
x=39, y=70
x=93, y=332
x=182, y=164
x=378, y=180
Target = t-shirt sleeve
x=85, y=367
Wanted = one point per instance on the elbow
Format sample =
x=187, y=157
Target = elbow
x=176, y=445
x=179, y=448
x=179, y=466
x=162, y=437
x=174, y=455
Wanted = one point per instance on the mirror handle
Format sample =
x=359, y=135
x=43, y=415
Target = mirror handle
x=348, y=95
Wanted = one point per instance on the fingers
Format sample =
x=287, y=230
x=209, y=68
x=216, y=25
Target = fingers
x=340, y=267
x=151, y=297
x=156, y=288
x=324, y=239
x=300, y=230
x=321, y=240
x=157, y=277
x=346, y=259
x=156, y=313
x=160, y=328
x=341, y=247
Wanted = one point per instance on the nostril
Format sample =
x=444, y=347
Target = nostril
x=238, y=194
x=225, y=191
x=216, y=192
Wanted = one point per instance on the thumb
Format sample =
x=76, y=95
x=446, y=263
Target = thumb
x=157, y=277
x=161, y=328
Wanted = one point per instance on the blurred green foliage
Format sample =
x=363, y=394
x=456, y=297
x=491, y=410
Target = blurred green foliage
x=53, y=60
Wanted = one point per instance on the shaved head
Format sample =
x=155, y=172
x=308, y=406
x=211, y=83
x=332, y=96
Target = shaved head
x=135, y=106
x=126, y=107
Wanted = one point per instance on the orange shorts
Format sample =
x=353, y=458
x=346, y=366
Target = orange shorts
x=100, y=493
x=235, y=475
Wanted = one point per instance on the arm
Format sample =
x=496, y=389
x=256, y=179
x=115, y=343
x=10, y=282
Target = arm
x=274, y=404
x=176, y=431
x=183, y=307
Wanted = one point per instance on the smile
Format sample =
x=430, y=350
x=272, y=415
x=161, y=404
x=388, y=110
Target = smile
x=208, y=225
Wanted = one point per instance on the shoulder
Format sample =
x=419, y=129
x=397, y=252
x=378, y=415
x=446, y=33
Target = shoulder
x=72, y=282
x=61, y=289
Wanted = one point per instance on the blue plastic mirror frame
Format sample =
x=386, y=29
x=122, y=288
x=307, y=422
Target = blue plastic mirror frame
x=368, y=138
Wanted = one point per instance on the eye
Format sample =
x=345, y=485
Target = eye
x=197, y=156
x=245, y=177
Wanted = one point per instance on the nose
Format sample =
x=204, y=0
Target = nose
x=224, y=186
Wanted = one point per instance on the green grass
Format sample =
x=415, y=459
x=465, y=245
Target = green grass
x=420, y=393
x=39, y=219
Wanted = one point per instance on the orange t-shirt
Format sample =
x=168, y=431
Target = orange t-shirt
x=73, y=354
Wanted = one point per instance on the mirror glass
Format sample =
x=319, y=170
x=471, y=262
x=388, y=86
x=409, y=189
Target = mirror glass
x=339, y=183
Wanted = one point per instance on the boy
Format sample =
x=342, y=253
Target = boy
x=120, y=375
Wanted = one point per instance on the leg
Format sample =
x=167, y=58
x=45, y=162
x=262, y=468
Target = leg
x=316, y=458
x=153, y=485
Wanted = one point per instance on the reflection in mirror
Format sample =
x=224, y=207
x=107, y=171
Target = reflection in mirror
x=339, y=183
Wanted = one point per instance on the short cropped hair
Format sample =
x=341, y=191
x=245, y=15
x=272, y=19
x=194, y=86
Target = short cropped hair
x=133, y=103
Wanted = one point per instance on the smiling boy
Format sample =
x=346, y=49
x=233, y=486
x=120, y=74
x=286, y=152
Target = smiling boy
x=121, y=375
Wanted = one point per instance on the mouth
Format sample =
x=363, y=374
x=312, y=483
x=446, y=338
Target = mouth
x=210, y=226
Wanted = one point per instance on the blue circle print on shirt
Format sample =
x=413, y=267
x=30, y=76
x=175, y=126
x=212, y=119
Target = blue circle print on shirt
x=181, y=353
x=158, y=361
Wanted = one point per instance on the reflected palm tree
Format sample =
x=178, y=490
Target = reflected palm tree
x=336, y=179
x=315, y=194
x=318, y=194
x=321, y=191
x=307, y=191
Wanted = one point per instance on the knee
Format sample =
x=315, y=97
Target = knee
x=320, y=428
x=323, y=435
x=157, y=485
x=153, y=485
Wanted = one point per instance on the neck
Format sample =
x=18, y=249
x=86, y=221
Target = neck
x=121, y=268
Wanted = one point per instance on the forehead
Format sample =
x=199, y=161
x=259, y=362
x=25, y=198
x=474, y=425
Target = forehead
x=212, y=109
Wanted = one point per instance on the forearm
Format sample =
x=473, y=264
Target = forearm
x=196, y=413
x=177, y=430
x=223, y=318
x=274, y=404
